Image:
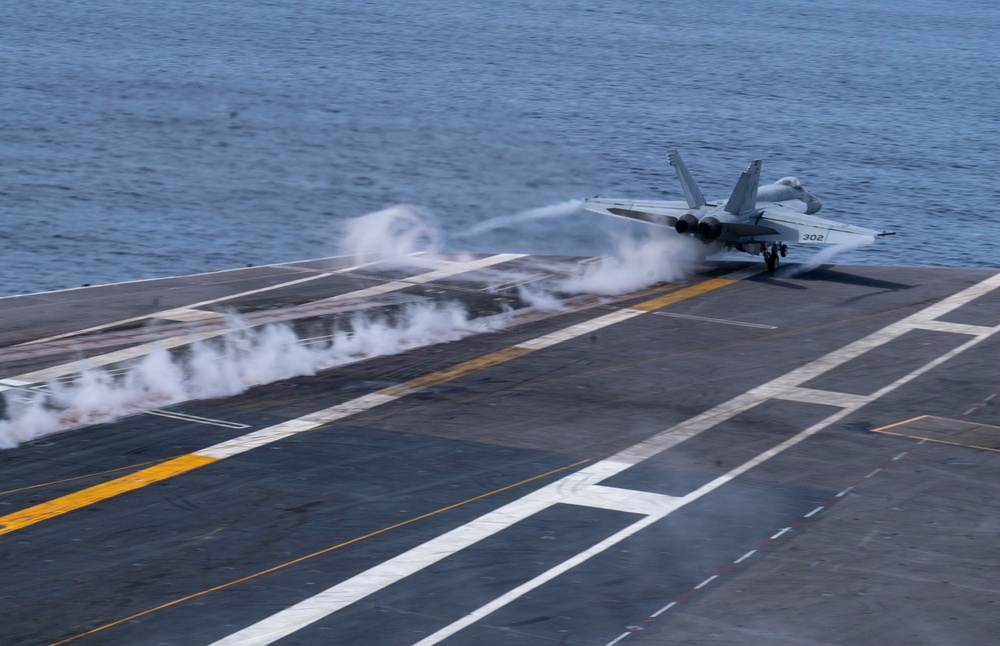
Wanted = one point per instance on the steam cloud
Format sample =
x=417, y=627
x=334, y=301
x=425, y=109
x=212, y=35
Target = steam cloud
x=635, y=265
x=391, y=236
x=246, y=357
x=826, y=255
x=224, y=367
x=559, y=210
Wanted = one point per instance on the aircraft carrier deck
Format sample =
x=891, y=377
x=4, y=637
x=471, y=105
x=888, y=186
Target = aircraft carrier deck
x=736, y=458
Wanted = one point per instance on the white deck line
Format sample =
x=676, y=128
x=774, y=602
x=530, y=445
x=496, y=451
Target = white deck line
x=141, y=350
x=574, y=487
x=824, y=397
x=189, y=312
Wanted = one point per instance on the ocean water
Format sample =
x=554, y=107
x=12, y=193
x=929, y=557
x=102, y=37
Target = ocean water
x=142, y=139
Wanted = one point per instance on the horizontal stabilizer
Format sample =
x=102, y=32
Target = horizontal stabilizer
x=652, y=218
x=738, y=229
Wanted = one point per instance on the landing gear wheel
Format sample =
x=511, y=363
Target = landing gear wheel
x=772, y=262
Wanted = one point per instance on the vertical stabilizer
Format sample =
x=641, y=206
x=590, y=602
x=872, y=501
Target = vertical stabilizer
x=691, y=191
x=743, y=201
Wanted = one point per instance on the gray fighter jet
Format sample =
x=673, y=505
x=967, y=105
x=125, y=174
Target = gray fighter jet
x=759, y=220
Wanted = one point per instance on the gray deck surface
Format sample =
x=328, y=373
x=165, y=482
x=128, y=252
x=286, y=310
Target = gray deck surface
x=843, y=536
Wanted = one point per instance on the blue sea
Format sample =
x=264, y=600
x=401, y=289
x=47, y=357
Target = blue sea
x=142, y=139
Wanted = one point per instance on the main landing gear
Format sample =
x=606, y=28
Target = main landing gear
x=773, y=255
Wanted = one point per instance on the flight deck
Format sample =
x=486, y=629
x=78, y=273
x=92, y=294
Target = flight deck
x=803, y=457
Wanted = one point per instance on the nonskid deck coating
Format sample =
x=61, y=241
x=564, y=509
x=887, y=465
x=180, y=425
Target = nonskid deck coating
x=210, y=552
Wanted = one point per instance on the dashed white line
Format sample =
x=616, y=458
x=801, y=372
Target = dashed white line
x=619, y=638
x=814, y=512
x=873, y=472
x=360, y=586
x=900, y=456
x=844, y=492
x=745, y=556
x=706, y=582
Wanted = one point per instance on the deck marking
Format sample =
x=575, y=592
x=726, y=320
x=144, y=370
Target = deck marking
x=900, y=456
x=289, y=265
x=197, y=420
x=873, y=472
x=84, y=476
x=641, y=625
x=619, y=638
x=625, y=459
x=712, y=320
x=314, y=420
x=323, y=551
x=103, y=491
x=844, y=492
x=814, y=512
x=778, y=535
x=706, y=582
x=664, y=609
x=682, y=294
x=144, y=349
x=184, y=311
x=327, y=602
x=823, y=397
x=186, y=308
x=881, y=429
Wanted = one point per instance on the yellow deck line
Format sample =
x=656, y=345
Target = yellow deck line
x=325, y=550
x=450, y=374
x=103, y=491
x=189, y=462
x=682, y=294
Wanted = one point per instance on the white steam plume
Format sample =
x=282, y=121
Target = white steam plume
x=635, y=265
x=391, y=236
x=559, y=210
x=826, y=255
x=244, y=358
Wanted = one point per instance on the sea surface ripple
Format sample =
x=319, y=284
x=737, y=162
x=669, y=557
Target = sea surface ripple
x=142, y=138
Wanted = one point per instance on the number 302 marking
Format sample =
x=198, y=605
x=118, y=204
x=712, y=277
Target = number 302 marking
x=818, y=237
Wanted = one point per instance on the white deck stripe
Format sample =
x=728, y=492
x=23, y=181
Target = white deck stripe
x=184, y=313
x=579, y=329
x=664, y=609
x=175, y=312
x=706, y=582
x=953, y=328
x=574, y=486
x=824, y=397
x=144, y=349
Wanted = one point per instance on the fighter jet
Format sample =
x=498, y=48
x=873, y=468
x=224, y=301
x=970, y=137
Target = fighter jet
x=759, y=220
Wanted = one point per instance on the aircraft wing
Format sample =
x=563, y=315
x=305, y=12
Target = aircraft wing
x=795, y=226
x=659, y=212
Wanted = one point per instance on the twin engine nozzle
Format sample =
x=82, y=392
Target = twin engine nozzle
x=708, y=228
